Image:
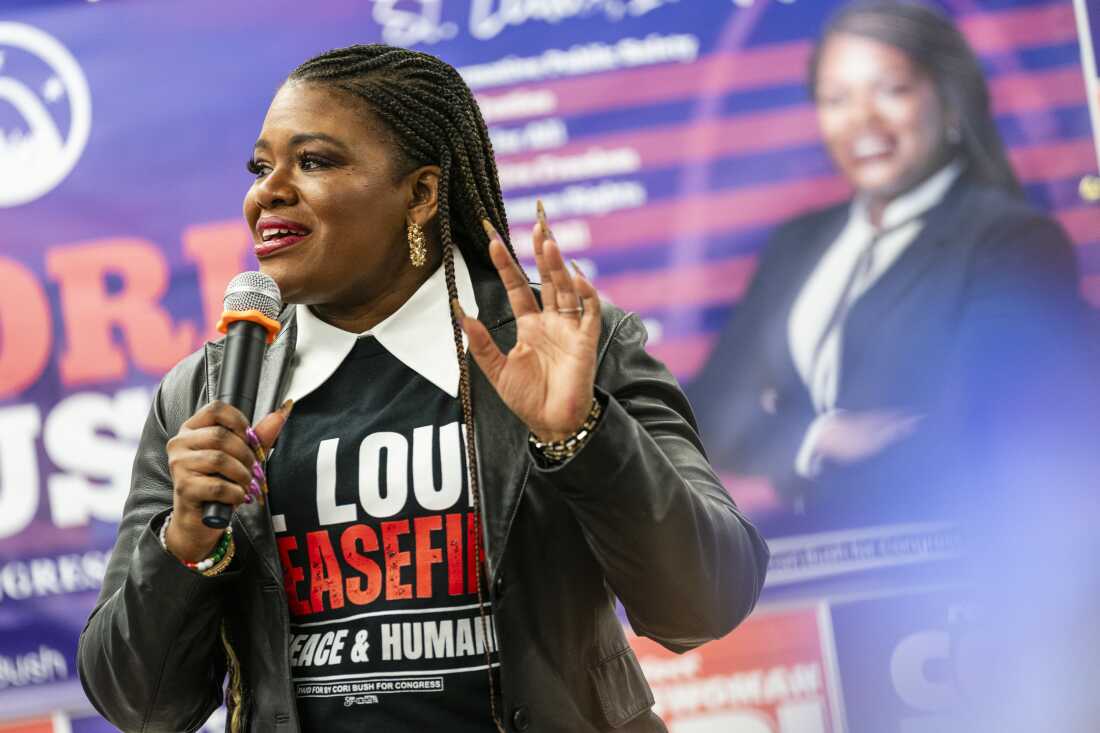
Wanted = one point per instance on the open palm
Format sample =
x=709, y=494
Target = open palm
x=547, y=378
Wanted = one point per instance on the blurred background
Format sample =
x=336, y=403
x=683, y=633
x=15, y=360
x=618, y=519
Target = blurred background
x=934, y=572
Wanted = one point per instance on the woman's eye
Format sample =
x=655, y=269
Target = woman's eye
x=895, y=90
x=257, y=168
x=833, y=99
x=312, y=162
x=306, y=162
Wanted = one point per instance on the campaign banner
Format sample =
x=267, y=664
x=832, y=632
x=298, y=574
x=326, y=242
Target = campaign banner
x=668, y=140
x=901, y=661
x=775, y=675
x=799, y=558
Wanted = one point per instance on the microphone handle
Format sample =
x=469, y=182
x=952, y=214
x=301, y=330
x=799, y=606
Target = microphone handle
x=242, y=358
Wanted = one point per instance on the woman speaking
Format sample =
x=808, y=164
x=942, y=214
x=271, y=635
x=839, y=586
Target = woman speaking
x=884, y=340
x=432, y=543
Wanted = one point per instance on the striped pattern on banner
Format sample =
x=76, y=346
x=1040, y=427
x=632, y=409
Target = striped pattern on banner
x=732, y=150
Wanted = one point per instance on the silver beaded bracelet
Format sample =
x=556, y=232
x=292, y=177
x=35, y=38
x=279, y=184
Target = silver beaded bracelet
x=559, y=451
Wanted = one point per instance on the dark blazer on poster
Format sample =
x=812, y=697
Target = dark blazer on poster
x=982, y=300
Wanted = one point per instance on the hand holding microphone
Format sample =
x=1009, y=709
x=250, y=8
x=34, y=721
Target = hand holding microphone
x=210, y=460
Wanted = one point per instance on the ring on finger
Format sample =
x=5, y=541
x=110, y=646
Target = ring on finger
x=571, y=311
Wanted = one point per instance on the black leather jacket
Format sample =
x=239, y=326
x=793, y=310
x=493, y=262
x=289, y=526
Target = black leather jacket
x=637, y=514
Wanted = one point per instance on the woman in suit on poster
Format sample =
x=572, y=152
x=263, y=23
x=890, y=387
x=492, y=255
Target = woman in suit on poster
x=878, y=333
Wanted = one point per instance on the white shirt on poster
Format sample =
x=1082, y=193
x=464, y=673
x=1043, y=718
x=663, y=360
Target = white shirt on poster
x=844, y=274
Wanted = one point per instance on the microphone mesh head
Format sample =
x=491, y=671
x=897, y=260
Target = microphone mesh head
x=253, y=291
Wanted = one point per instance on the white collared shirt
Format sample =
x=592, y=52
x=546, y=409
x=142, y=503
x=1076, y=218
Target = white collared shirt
x=418, y=334
x=814, y=337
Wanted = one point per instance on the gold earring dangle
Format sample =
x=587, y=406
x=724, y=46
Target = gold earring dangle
x=418, y=248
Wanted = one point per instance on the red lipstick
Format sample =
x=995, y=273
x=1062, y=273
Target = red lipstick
x=276, y=234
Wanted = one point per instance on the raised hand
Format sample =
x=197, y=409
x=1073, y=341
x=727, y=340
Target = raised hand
x=547, y=378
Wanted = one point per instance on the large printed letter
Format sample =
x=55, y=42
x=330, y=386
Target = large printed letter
x=25, y=329
x=450, y=467
x=76, y=439
x=93, y=307
x=380, y=500
x=218, y=250
x=328, y=511
x=19, y=489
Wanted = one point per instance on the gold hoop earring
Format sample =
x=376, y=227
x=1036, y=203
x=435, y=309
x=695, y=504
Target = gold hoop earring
x=418, y=248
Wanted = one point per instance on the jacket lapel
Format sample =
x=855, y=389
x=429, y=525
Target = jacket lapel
x=789, y=278
x=498, y=436
x=825, y=232
x=872, y=310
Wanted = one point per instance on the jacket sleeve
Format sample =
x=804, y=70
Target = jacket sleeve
x=685, y=563
x=150, y=656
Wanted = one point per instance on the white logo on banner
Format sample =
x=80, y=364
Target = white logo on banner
x=35, y=160
x=408, y=28
x=489, y=17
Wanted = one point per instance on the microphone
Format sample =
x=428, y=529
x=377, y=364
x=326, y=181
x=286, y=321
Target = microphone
x=250, y=322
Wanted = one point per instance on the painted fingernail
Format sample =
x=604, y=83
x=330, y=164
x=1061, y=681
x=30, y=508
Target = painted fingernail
x=248, y=498
x=252, y=438
x=258, y=472
x=540, y=212
x=490, y=230
x=286, y=407
x=254, y=487
x=577, y=268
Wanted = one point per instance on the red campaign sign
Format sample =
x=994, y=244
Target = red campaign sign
x=37, y=725
x=773, y=675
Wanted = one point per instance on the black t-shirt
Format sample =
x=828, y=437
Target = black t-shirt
x=378, y=554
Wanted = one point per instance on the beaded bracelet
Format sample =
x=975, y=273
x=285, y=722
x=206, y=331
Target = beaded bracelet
x=218, y=560
x=559, y=451
x=216, y=557
x=221, y=565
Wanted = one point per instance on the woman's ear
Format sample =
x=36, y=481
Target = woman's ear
x=424, y=194
x=952, y=118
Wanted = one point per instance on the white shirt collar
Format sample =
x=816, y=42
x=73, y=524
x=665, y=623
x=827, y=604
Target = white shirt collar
x=418, y=334
x=915, y=202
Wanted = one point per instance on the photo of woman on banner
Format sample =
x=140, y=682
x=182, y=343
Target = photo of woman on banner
x=882, y=337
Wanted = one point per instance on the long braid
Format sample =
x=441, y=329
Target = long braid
x=434, y=119
x=471, y=461
x=468, y=422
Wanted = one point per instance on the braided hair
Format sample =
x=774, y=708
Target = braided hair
x=433, y=119
x=431, y=115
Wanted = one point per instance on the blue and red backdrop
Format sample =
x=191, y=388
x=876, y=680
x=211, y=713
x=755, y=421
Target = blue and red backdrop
x=666, y=137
